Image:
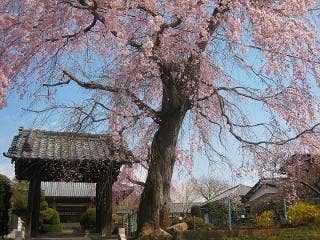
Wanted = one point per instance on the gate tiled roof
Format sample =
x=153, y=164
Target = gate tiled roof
x=71, y=146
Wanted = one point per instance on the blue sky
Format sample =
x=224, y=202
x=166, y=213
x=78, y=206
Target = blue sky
x=12, y=117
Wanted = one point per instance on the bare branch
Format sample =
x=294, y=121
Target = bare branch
x=241, y=139
x=314, y=189
x=97, y=86
x=209, y=187
x=136, y=182
x=215, y=123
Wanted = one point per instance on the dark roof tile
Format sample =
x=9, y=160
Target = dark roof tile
x=71, y=146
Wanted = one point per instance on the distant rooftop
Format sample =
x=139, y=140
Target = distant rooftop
x=180, y=207
x=69, y=189
x=81, y=190
x=272, y=182
x=236, y=191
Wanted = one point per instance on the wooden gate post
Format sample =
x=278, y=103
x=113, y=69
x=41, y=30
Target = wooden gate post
x=34, y=206
x=99, y=205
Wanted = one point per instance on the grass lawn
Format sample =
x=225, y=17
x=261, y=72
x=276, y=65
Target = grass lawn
x=282, y=234
x=301, y=233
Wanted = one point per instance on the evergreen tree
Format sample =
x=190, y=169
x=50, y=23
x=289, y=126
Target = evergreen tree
x=5, y=196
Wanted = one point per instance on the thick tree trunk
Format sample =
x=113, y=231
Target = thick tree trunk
x=104, y=206
x=155, y=199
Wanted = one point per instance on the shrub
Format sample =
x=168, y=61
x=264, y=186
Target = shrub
x=217, y=210
x=302, y=213
x=198, y=221
x=43, y=205
x=88, y=220
x=5, y=195
x=266, y=219
x=196, y=211
x=50, y=216
x=175, y=220
x=237, y=211
x=50, y=221
x=117, y=221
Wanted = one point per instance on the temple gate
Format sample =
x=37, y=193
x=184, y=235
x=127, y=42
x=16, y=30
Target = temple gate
x=68, y=156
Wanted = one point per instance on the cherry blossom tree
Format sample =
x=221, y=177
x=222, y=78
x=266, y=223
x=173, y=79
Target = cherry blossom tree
x=151, y=68
x=302, y=172
x=185, y=194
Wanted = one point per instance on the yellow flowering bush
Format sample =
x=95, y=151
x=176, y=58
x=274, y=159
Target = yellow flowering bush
x=301, y=213
x=266, y=219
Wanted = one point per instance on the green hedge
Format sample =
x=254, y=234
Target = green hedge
x=50, y=221
x=196, y=211
x=43, y=205
x=88, y=220
x=218, y=210
x=5, y=204
x=50, y=216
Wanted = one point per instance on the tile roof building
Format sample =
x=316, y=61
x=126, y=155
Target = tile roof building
x=181, y=208
x=263, y=187
x=68, y=190
x=65, y=155
x=234, y=193
x=266, y=194
x=71, y=146
x=50, y=156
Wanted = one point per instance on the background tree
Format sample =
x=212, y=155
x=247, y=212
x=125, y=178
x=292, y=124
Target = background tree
x=185, y=193
x=218, y=212
x=146, y=66
x=20, y=199
x=303, y=178
x=196, y=211
x=208, y=187
x=5, y=204
x=49, y=218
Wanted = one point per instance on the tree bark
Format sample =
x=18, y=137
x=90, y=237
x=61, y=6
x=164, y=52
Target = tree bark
x=104, y=206
x=155, y=199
